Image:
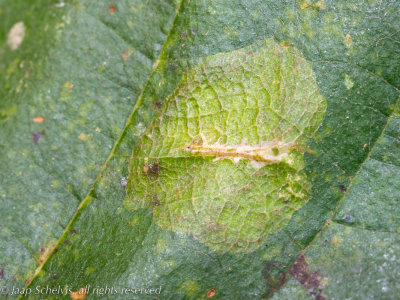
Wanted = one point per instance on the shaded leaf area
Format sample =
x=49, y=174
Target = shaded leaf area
x=66, y=94
x=360, y=262
x=362, y=242
x=372, y=202
x=292, y=290
x=365, y=247
x=353, y=47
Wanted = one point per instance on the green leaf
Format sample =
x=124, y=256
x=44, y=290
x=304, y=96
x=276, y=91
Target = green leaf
x=204, y=149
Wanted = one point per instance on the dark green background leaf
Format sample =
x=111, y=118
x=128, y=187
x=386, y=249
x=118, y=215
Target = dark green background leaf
x=97, y=72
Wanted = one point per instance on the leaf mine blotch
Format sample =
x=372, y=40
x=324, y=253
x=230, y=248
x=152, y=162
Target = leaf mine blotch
x=230, y=140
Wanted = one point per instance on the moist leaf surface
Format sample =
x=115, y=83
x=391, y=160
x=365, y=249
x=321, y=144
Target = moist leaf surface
x=89, y=82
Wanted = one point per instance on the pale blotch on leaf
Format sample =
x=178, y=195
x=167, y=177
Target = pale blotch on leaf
x=229, y=147
x=348, y=82
x=16, y=35
x=83, y=137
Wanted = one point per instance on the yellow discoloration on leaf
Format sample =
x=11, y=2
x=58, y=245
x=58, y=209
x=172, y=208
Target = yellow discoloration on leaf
x=285, y=45
x=66, y=90
x=308, y=3
x=83, y=137
x=324, y=281
x=305, y=4
x=320, y=4
x=224, y=161
x=335, y=240
x=348, y=41
x=79, y=295
x=8, y=112
x=348, y=82
x=190, y=287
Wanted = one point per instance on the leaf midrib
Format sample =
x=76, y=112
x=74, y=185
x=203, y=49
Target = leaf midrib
x=87, y=199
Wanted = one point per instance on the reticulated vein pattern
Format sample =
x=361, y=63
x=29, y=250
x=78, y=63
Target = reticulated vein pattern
x=223, y=162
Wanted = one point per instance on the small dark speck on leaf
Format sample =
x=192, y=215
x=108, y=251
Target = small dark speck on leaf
x=155, y=202
x=1, y=274
x=66, y=242
x=73, y=231
x=158, y=104
x=342, y=188
x=54, y=277
x=123, y=182
x=37, y=135
x=348, y=219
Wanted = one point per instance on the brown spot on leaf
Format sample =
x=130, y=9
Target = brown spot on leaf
x=79, y=295
x=308, y=278
x=211, y=293
x=1, y=274
x=152, y=169
x=45, y=252
x=38, y=119
x=28, y=281
x=54, y=277
x=342, y=188
x=126, y=54
x=158, y=104
x=112, y=9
